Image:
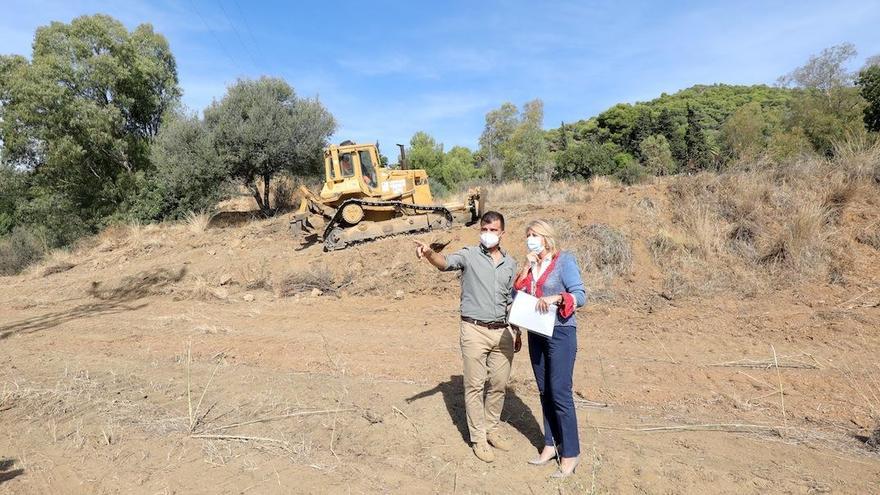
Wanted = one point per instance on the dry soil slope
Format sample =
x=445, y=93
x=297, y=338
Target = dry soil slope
x=95, y=372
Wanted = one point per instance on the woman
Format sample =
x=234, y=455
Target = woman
x=552, y=275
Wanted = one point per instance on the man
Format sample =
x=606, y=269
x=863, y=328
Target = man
x=345, y=165
x=487, y=344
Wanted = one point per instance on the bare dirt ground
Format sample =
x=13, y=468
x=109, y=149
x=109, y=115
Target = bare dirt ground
x=165, y=360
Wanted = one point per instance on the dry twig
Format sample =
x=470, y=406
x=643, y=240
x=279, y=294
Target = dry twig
x=193, y=420
x=282, y=416
x=723, y=427
x=663, y=346
x=238, y=437
x=781, y=393
x=589, y=403
x=188, y=380
x=766, y=364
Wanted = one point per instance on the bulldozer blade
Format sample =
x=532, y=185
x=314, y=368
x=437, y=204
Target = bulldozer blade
x=296, y=228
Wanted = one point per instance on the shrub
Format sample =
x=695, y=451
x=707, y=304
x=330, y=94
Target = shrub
x=608, y=249
x=583, y=160
x=629, y=171
x=18, y=251
x=315, y=277
x=190, y=175
x=602, y=251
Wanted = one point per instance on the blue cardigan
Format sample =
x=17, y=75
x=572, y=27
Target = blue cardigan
x=565, y=277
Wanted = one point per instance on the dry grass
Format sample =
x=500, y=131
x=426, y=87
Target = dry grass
x=57, y=268
x=317, y=278
x=201, y=289
x=256, y=277
x=870, y=236
x=80, y=410
x=600, y=182
x=539, y=193
x=197, y=222
x=135, y=236
x=603, y=253
x=765, y=225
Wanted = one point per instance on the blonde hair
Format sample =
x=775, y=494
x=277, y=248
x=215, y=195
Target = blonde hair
x=545, y=230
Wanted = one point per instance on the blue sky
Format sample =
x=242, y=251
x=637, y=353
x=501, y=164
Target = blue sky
x=389, y=69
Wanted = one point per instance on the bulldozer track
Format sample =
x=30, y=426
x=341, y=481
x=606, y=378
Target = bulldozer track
x=401, y=206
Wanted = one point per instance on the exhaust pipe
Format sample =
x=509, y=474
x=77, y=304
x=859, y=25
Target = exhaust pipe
x=402, y=159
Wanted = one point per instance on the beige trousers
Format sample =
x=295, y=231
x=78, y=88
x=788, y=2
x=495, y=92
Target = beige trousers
x=487, y=355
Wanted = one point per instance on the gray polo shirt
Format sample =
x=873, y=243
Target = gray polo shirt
x=485, y=286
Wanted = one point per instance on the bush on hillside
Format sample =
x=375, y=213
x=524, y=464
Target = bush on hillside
x=19, y=250
x=629, y=171
x=767, y=225
x=602, y=251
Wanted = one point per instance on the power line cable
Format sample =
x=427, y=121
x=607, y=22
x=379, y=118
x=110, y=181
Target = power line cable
x=216, y=38
x=238, y=36
x=247, y=26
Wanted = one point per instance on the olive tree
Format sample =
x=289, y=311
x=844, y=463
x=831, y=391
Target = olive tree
x=261, y=128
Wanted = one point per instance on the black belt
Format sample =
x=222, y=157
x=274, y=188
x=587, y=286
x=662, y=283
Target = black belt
x=490, y=325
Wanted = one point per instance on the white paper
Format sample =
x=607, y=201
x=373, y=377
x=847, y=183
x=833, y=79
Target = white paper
x=524, y=315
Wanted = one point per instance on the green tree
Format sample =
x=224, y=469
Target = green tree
x=828, y=119
x=869, y=86
x=189, y=175
x=583, y=160
x=616, y=124
x=261, y=128
x=656, y=155
x=697, y=148
x=458, y=167
x=527, y=156
x=79, y=116
x=668, y=127
x=745, y=133
x=495, y=139
x=828, y=108
x=13, y=193
x=824, y=72
x=515, y=145
x=787, y=144
x=562, y=142
x=425, y=153
x=642, y=128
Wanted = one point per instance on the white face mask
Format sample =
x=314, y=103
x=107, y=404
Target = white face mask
x=489, y=239
x=534, y=244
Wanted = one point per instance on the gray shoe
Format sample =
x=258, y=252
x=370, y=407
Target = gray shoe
x=538, y=462
x=568, y=472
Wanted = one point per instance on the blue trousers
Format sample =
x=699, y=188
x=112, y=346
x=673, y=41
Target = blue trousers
x=553, y=364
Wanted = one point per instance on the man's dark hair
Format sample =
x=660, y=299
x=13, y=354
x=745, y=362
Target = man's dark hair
x=491, y=216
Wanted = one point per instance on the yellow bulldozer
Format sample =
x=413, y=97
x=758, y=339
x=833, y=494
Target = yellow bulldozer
x=362, y=200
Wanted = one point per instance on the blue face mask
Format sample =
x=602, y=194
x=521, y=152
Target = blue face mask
x=534, y=244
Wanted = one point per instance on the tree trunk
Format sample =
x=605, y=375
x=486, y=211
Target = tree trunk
x=266, y=179
x=256, y=193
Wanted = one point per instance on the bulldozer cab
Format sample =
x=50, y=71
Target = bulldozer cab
x=351, y=170
x=354, y=171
